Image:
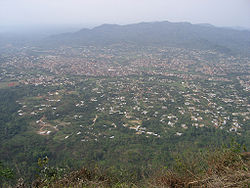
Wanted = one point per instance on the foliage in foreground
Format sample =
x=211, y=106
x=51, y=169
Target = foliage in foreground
x=224, y=167
x=6, y=174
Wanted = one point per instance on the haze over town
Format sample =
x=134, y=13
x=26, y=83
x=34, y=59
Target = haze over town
x=71, y=15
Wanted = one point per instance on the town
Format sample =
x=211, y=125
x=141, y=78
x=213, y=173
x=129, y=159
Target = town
x=95, y=93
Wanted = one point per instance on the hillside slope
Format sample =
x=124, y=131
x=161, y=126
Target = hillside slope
x=184, y=35
x=224, y=167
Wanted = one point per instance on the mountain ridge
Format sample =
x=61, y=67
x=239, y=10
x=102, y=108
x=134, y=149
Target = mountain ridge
x=181, y=34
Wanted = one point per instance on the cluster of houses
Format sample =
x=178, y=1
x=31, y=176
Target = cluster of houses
x=165, y=88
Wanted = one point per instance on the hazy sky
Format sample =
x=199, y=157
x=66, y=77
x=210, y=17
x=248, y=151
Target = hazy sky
x=94, y=12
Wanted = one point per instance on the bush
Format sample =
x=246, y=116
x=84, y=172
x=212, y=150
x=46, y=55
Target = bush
x=223, y=167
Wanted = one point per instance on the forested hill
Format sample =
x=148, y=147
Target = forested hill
x=183, y=35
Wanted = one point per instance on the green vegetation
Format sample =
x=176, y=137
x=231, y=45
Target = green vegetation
x=104, y=139
x=121, y=111
x=221, y=167
x=6, y=174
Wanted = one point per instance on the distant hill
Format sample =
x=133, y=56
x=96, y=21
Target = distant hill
x=183, y=34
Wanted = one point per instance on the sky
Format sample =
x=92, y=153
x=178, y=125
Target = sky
x=89, y=13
